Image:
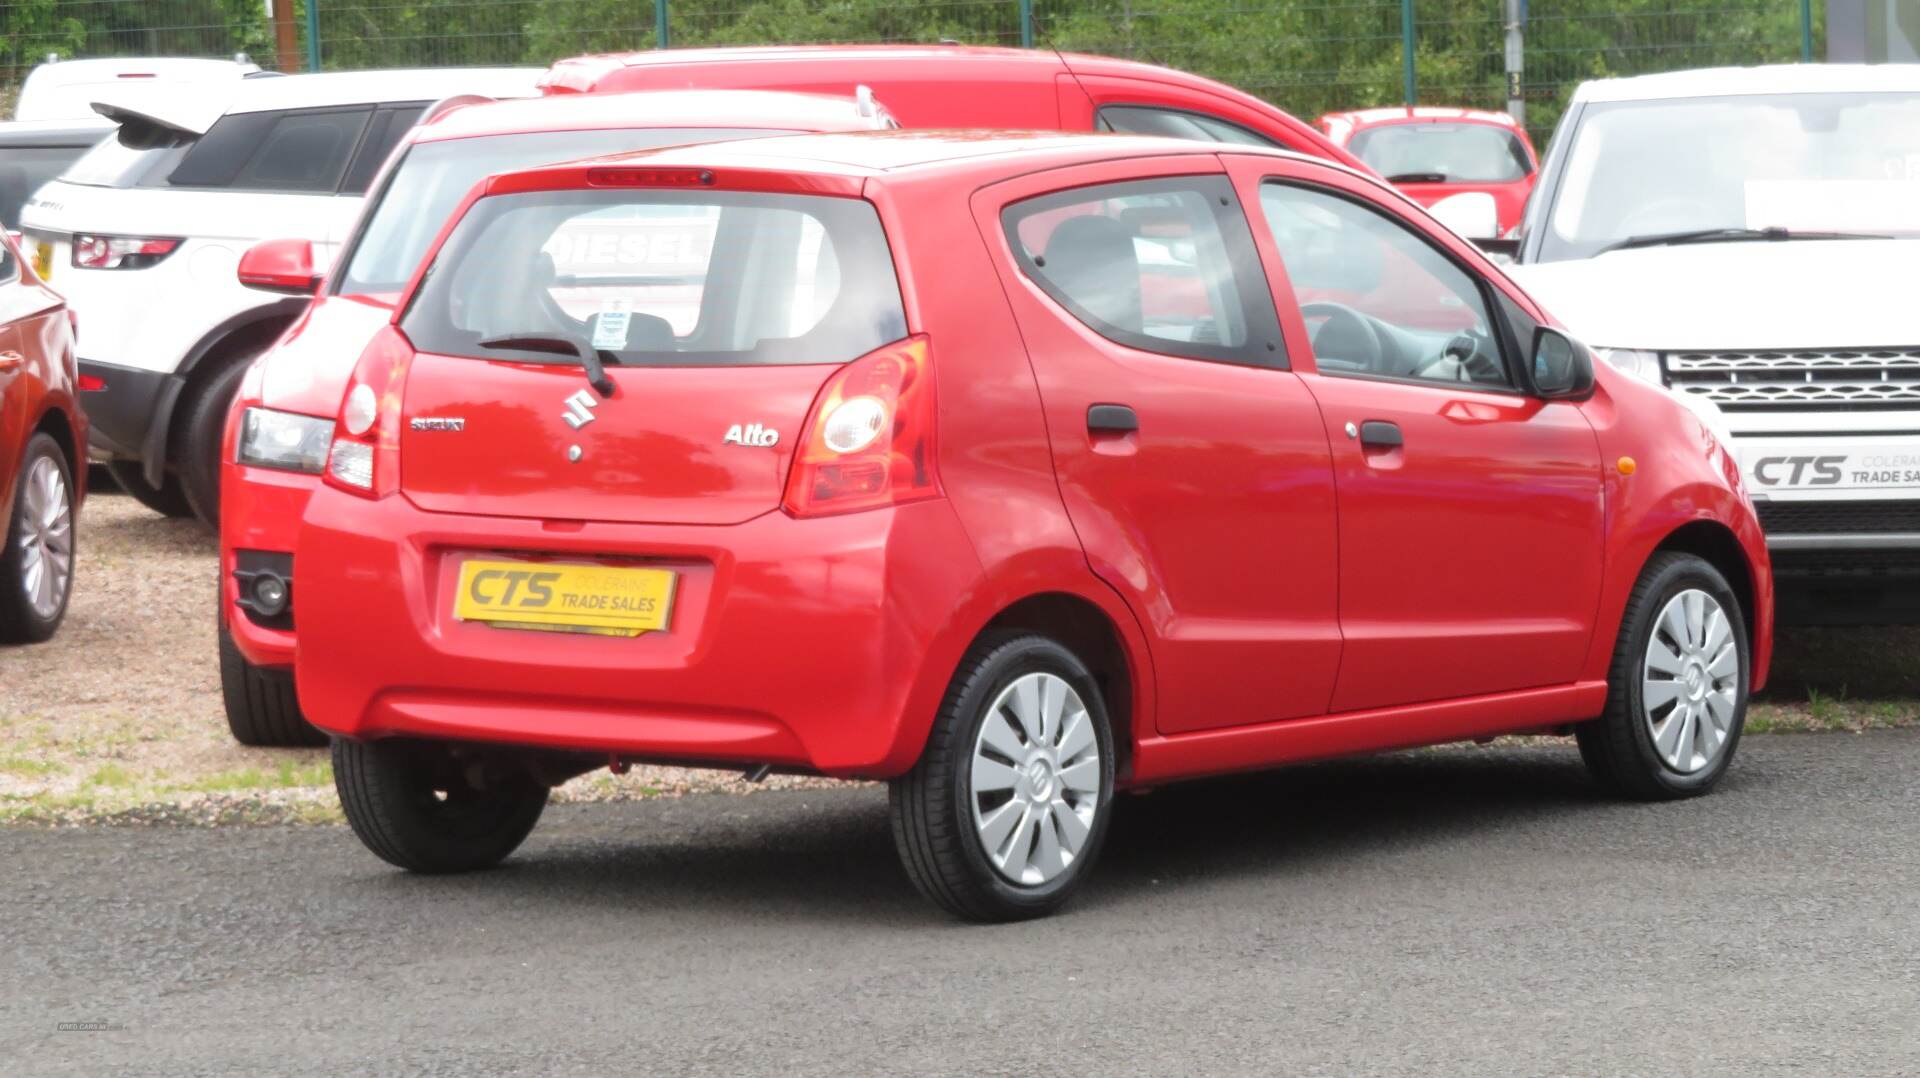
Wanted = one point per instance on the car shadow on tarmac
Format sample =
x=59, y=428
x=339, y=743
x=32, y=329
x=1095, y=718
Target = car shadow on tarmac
x=828, y=854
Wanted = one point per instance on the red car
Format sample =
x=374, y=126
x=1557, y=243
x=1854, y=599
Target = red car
x=42, y=432
x=1436, y=154
x=974, y=87
x=281, y=421
x=905, y=476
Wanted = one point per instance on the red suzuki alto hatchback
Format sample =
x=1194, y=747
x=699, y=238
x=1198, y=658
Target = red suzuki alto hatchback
x=1013, y=469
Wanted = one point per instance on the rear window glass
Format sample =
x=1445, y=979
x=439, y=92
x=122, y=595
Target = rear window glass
x=135, y=155
x=1177, y=123
x=1443, y=153
x=382, y=136
x=662, y=279
x=274, y=151
x=428, y=183
x=23, y=169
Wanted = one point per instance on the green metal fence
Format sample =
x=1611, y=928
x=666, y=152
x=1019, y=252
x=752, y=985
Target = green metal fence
x=1307, y=57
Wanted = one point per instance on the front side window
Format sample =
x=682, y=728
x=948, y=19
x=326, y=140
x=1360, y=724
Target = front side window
x=1378, y=299
x=1654, y=171
x=1443, y=153
x=1176, y=123
x=427, y=184
x=1159, y=265
x=661, y=278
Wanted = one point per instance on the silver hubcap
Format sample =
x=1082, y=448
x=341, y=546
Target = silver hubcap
x=1036, y=779
x=45, y=538
x=1690, y=682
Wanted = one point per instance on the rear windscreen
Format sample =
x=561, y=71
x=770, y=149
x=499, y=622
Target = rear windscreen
x=427, y=185
x=136, y=154
x=662, y=278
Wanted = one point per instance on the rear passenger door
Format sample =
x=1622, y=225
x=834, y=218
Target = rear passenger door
x=1192, y=462
x=1471, y=514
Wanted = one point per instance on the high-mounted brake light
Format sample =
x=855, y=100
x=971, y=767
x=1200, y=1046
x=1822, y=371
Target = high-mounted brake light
x=649, y=177
x=365, y=456
x=869, y=439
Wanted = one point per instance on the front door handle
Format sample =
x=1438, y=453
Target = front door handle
x=11, y=361
x=1380, y=434
x=1111, y=419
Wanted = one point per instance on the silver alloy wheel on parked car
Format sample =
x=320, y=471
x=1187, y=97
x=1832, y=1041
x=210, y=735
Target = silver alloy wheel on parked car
x=1035, y=779
x=1690, y=682
x=46, y=537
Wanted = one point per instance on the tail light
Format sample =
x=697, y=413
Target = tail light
x=120, y=252
x=365, y=456
x=869, y=439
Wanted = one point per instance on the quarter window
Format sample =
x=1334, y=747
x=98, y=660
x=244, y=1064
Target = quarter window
x=1176, y=123
x=300, y=151
x=1378, y=299
x=1159, y=265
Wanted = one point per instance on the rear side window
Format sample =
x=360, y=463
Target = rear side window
x=303, y=150
x=1176, y=123
x=1159, y=265
x=662, y=278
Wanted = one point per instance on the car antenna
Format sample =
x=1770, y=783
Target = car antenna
x=1047, y=38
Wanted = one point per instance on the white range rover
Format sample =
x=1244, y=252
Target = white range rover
x=144, y=232
x=1750, y=237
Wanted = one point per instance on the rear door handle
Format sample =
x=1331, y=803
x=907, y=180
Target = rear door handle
x=1380, y=434
x=1111, y=419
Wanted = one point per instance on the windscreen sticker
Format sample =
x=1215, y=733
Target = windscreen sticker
x=610, y=325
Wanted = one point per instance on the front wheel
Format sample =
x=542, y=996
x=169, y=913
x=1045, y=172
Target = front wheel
x=261, y=707
x=417, y=807
x=1006, y=811
x=36, y=565
x=1677, y=690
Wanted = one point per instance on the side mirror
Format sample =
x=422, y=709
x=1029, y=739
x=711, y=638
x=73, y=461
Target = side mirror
x=284, y=266
x=1473, y=214
x=1562, y=368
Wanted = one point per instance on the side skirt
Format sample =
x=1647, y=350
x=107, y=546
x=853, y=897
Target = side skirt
x=1246, y=748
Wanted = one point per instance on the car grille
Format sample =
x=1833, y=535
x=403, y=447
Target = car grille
x=1839, y=518
x=1803, y=381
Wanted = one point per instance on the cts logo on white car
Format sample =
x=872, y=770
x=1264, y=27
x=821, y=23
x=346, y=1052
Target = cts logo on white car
x=579, y=411
x=751, y=434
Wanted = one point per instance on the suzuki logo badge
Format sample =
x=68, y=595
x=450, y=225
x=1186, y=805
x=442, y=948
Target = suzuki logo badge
x=579, y=411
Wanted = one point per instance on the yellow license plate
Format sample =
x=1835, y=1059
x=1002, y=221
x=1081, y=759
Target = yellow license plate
x=598, y=599
x=43, y=260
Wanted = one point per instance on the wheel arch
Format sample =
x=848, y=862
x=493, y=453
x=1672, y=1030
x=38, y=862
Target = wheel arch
x=255, y=326
x=59, y=425
x=1715, y=544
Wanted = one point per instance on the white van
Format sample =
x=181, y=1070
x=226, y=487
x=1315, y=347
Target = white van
x=1750, y=238
x=144, y=232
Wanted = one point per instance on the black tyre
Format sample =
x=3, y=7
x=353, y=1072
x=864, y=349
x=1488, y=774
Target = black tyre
x=262, y=709
x=415, y=807
x=167, y=499
x=1006, y=811
x=1677, y=690
x=203, y=423
x=36, y=565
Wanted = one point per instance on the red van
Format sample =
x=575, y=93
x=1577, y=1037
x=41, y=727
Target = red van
x=897, y=465
x=42, y=438
x=974, y=87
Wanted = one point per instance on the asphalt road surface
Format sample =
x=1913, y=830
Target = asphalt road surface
x=1463, y=911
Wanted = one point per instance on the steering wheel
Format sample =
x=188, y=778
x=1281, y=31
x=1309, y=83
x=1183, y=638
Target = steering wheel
x=1474, y=364
x=1346, y=335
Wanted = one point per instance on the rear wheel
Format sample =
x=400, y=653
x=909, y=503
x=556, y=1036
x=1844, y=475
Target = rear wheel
x=197, y=457
x=167, y=499
x=262, y=709
x=422, y=809
x=1677, y=691
x=36, y=566
x=1007, y=809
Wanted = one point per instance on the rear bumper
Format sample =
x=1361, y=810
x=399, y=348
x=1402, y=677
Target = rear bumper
x=122, y=417
x=260, y=510
x=798, y=643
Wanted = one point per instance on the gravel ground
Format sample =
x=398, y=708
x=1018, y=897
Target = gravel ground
x=119, y=717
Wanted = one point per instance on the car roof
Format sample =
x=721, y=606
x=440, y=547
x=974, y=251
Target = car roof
x=905, y=153
x=58, y=91
x=580, y=72
x=1402, y=114
x=765, y=109
x=370, y=87
x=1740, y=81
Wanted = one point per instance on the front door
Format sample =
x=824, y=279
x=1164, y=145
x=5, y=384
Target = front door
x=1471, y=514
x=1192, y=462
